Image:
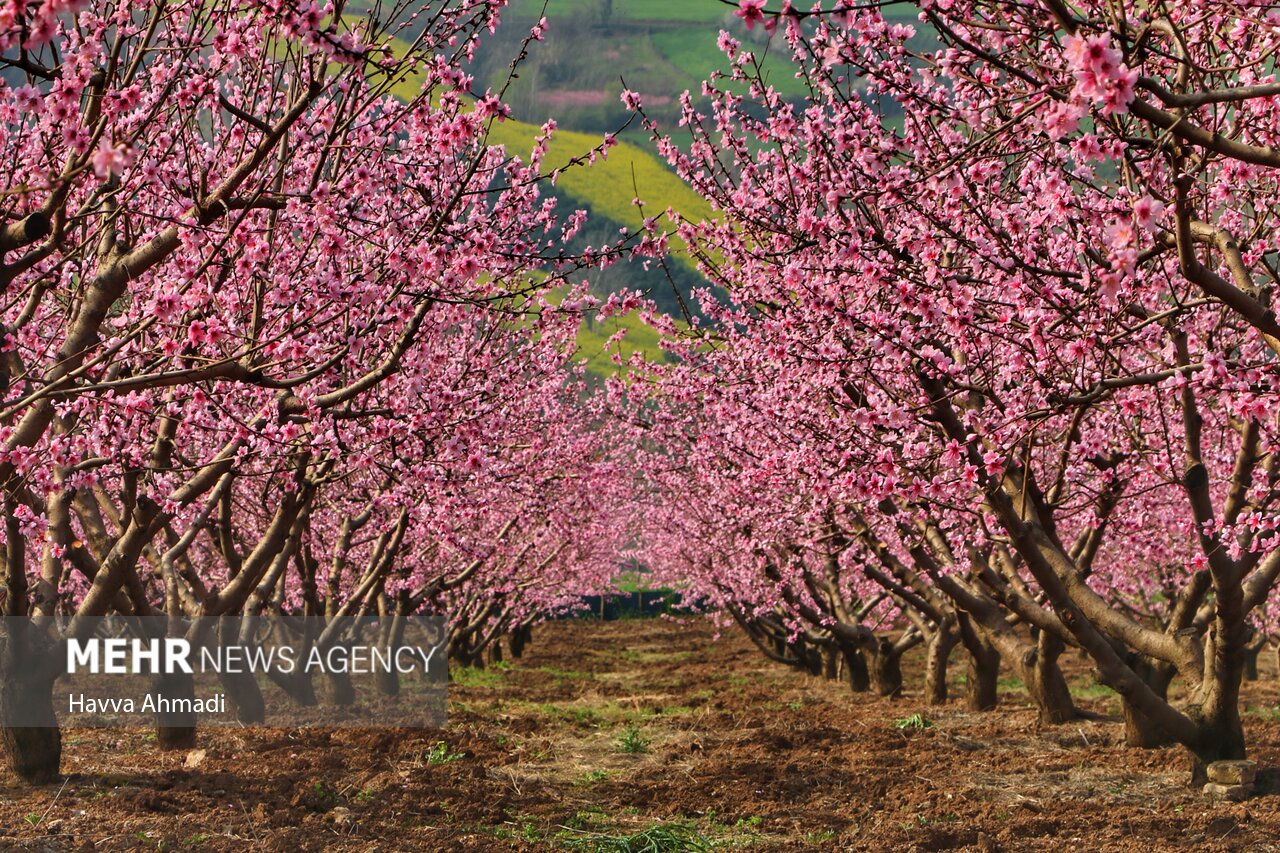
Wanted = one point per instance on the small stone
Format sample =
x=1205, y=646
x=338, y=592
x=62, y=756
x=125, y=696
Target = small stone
x=194, y=758
x=1218, y=791
x=1233, y=772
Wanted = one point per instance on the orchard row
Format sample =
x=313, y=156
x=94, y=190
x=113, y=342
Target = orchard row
x=283, y=334
x=1000, y=378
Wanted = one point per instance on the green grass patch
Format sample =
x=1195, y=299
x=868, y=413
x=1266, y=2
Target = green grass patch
x=915, y=722
x=608, y=188
x=632, y=582
x=594, y=342
x=634, y=656
x=659, y=838
x=441, y=754
x=578, y=715
x=567, y=674
x=632, y=741
x=610, y=184
x=472, y=676
x=1093, y=690
x=592, y=777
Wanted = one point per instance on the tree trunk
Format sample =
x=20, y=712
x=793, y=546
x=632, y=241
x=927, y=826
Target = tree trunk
x=812, y=658
x=1251, y=654
x=296, y=684
x=886, y=668
x=466, y=655
x=388, y=681
x=984, y=668
x=831, y=662
x=1045, y=682
x=1217, y=715
x=855, y=664
x=1139, y=730
x=28, y=725
x=175, y=728
x=1221, y=740
x=935, y=667
x=174, y=693
x=1251, y=664
x=245, y=697
x=520, y=637
x=342, y=692
x=241, y=687
x=806, y=656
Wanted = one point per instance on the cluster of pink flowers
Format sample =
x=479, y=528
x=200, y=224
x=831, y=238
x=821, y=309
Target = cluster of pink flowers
x=1100, y=73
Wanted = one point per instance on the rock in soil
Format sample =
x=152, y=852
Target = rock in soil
x=1235, y=793
x=1233, y=772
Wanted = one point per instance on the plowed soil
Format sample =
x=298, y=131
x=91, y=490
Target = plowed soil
x=605, y=734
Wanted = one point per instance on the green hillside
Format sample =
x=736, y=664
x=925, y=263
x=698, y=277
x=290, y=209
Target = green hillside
x=593, y=337
x=606, y=188
x=609, y=185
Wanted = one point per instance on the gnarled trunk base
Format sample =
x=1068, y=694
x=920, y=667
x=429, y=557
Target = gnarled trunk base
x=886, y=668
x=983, y=676
x=855, y=664
x=1045, y=682
x=175, y=727
x=245, y=696
x=1221, y=741
x=937, y=654
x=342, y=692
x=1140, y=731
x=29, y=729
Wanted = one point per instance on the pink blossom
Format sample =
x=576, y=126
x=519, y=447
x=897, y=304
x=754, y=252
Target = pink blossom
x=1147, y=212
x=109, y=160
x=751, y=12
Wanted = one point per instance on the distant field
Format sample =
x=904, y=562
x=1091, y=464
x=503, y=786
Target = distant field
x=631, y=10
x=693, y=51
x=660, y=47
x=690, y=11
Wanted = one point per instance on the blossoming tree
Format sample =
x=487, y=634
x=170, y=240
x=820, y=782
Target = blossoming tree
x=1039, y=304
x=223, y=230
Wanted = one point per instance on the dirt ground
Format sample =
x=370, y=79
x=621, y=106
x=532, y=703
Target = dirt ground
x=610, y=736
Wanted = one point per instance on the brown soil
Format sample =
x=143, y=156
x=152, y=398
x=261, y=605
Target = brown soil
x=739, y=752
